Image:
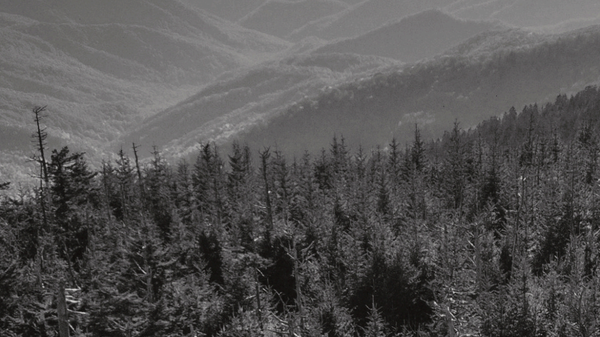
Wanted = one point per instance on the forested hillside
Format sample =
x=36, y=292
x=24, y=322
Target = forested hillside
x=363, y=17
x=102, y=66
x=490, y=231
x=486, y=74
x=413, y=38
x=223, y=109
x=527, y=13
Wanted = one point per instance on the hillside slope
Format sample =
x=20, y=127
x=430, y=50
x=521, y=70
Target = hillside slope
x=412, y=38
x=121, y=52
x=527, y=13
x=101, y=66
x=364, y=17
x=559, y=16
x=281, y=17
x=227, y=107
x=433, y=94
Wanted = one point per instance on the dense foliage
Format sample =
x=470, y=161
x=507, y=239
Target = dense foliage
x=491, y=231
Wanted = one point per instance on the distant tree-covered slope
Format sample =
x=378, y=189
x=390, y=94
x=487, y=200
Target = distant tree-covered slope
x=363, y=17
x=100, y=66
x=412, y=38
x=228, y=106
x=180, y=24
x=527, y=13
x=432, y=94
x=495, y=41
x=470, y=82
x=371, y=14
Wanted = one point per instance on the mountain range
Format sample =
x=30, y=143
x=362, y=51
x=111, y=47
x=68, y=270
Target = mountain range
x=284, y=72
x=485, y=76
x=255, y=95
x=555, y=15
x=413, y=38
x=101, y=66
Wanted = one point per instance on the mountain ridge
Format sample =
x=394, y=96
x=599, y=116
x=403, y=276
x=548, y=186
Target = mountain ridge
x=413, y=38
x=467, y=88
x=280, y=17
x=362, y=17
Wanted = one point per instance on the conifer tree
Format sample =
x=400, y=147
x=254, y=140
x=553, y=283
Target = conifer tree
x=240, y=170
x=417, y=152
x=124, y=207
x=339, y=157
x=455, y=177
x=157, y=180
x=282, y=186
x=376, y=326
x=183, y=193
x=323, y=172
x=72, y=190
x=384, y=206
x=265, y=175
x=208, y=185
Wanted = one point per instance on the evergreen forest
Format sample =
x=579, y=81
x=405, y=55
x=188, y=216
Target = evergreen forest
x=487, y=231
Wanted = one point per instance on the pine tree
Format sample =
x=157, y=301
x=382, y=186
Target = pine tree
x=376, y=326
x=417, y=153
x=455, y=177
x=73, y=192
x=282, y=186
x=265, y=175
x=183, y=193
x=384, y=206
x=159, y=203
x=128, y=193
x=324, y=172
x=40, y=138
x=208, y=185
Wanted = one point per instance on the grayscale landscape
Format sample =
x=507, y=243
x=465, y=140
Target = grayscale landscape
x=299, y=167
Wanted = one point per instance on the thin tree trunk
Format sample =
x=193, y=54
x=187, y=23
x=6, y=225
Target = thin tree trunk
x=63, y=318
x=139, y=171
x=258, y=304
x=264, y=156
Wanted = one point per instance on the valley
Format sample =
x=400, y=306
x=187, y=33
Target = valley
x=189, y=72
